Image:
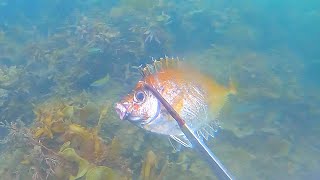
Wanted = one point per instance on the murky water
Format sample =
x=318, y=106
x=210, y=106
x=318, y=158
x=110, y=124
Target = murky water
x=63, y=64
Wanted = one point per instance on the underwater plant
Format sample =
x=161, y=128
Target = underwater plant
x=88, y=170
x=39, y=160
x=150, y=165
x=56, y=141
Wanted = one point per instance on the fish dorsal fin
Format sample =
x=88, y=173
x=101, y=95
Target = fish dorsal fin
x=159, y=66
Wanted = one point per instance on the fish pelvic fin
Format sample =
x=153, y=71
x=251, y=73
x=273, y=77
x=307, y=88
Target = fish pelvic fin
x=208, y=130
x=182, y=139
x=175, y=145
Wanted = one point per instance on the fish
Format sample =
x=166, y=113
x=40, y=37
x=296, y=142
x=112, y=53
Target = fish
x=101, y=82
x=195, y=96
x=95, y=50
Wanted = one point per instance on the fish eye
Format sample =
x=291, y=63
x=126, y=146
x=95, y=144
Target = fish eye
x=139, y=96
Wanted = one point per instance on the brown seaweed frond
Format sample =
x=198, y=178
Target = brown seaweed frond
x=149, y=170
x=89, y=170
x=41, y=159
x=87, y=141
x=51, y=119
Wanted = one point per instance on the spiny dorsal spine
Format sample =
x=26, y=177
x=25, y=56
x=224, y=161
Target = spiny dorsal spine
x=159, y=65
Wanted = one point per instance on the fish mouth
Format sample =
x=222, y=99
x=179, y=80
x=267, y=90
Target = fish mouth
x=121, y=110
x=124, y=114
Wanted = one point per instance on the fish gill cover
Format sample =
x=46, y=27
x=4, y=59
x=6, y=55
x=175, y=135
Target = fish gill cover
x=63, y=64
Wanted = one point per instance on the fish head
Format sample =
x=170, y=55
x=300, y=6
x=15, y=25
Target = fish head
x=139, y=107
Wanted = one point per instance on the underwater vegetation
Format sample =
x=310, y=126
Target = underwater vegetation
x=58, y=146
x=61, y=73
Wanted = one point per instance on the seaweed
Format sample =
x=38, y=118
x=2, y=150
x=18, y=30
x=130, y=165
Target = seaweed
x=88, y=170
x=55, y=141
x=150, y=165
x=59, y=77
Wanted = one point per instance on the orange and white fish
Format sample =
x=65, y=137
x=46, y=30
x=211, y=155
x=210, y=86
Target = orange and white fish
x=195, y=96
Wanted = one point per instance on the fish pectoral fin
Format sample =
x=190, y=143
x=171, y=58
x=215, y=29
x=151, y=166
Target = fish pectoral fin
x=182, y=139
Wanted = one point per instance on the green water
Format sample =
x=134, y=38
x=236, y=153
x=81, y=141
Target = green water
x=269, y=130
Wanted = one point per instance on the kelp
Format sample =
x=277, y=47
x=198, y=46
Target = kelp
x=56, y=141
x=86, y=169
x=60, y=120
x=149, y=167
